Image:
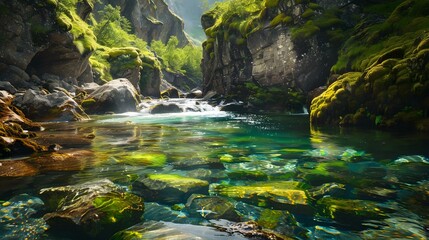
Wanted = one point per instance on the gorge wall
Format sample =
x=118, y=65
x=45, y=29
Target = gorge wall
x=278, y=54
x=151, y=20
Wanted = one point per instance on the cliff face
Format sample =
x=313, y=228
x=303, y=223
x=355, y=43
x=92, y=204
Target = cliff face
x=34, y=44
x=274, y=44
x=371, y=55
x=152, y=20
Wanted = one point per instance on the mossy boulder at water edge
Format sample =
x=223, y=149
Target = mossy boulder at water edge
x=117, y=96
x=288, y=195
x=97, y=209
x=385, y=72
x=169, y=188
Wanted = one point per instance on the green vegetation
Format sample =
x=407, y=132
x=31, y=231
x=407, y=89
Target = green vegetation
x=185, y=60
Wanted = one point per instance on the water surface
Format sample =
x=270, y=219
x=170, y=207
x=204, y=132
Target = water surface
x=388, y=169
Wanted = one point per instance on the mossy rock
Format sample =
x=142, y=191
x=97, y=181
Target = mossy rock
x=279, y=194
x=97, y=209
x=145, y=159
x=211, y=207
x=349, y=211
x=169, y=188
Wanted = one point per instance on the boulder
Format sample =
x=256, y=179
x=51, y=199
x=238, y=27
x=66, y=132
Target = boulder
x=117, y=96
x=97, y=209
x=171, y=93
x=169, y=188
x=7, y=86
x=57, y=106
x=165, y=108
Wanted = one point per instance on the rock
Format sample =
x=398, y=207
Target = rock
x=18, y=220
x=144, y=159
x=169, y=188
x=152, y=20
x=170, y=93
x=98, y=208
x=348, y=211
x=251, y=230
x=157, y=212
x=17, y=77
x=396, y=226
x=90, y=87
x=281, y=194
x=195, y=93
x=211, y=207
x=7, y=87
x=18, y=168
x=168, y=230
x=116, y=96
x=165, y=108
x=179, y=80
x=76, y=160
x=57, y=106
x=14, y=140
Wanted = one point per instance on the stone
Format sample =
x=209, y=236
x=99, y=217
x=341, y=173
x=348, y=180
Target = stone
x=4, y=85
x=56, y=106
x=165, y=108
x=144, y=159
x=18, y=218
x=169, y=188
x=153, y=20
x=278, y=194
x=350, y=211
x=168, y=230
x=211, y=207
x=116, y=96
x=97, y=209
x=170, y=93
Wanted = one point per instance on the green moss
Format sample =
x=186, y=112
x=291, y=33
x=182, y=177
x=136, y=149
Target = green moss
x=349, y=210
x=271, y=3
x=178, y=182
x=67, y=18
x=87, y=103
x=281, y=18
x=52, y=2
x=304, y=32
x=308, y=13
x=145, y=159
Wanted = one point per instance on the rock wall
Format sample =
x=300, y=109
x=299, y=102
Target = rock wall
x=152, y=20
x=268, y=53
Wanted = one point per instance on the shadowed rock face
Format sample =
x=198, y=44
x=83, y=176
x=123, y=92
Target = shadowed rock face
x=269, y=56
x=152, y=20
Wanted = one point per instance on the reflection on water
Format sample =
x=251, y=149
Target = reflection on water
x=275, y=170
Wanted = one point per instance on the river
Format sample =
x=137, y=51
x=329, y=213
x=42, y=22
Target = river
x=357, y=184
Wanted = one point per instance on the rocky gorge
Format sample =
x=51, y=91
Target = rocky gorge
x=97, y=139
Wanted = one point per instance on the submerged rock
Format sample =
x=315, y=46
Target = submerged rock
x=17, y=219
x=283, y=194
x=167, y=230
x=145, y=159
x=211, y=207
x=98, y=208
x=116, y=96
x=349, y=211
x=169, y=188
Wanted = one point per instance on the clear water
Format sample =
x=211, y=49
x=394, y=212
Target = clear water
x=390, y=169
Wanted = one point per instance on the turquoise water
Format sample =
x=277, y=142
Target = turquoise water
x=357, y=184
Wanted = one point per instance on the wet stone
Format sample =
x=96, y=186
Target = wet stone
x=288, y=195
x=350, y=211
x=95, y=209
x=211, y=207
x=169, y=188
x=17, y=218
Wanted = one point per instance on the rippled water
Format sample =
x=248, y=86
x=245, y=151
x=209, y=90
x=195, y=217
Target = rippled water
x=386, y=170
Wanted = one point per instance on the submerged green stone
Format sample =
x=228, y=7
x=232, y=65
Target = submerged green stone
x=278, y=193
x=348, y=210
x=145, y=159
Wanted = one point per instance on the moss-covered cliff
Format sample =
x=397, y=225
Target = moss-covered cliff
x=384, y=67
x=371, y=54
